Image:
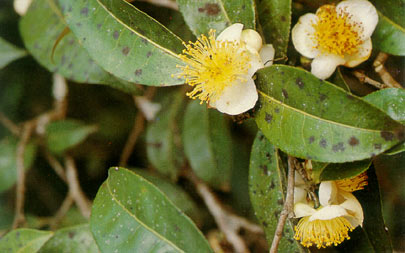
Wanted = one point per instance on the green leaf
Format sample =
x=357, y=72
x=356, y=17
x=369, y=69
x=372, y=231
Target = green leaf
x=64, y=134
x=203, y=15
x=389, y=36
x=8, y=172
x=176, y=194
x=337, y=171
x=267, y=186
x=125, y=41
x=391, y=101
x=208, y=145
x=396, y=150
x=275, y=20
x=71, y=239
x=394, y=9
x=24, y=240
x=9, y=53
x=40, y=29
x=164, y=147
x=131, y=215
x=340, y=81
x=313, y=119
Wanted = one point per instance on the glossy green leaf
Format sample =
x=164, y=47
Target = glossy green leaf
x=396, y=149
x=71, y=239
x=64, y=134
x=176, y=194
x=339, y=80
x=203, y=15
x=267, y=186
x=125, y=41
x=40, y=29
x=394, y=9
x=391, y=101
x=389, y=36
x=164, y=147
x=313, y=119
x=336, y=171
x=8, y=171
x=208, y=145
x=275, y=20
x=9, y=53
x=130, y=214
x=24, y=240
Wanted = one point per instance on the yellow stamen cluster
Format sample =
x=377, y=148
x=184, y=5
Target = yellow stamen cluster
x=322, y=233
x=353, y=184
x=212, y=66
x=336, y=33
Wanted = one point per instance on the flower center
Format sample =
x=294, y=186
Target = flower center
x=212, y=66
x=336, y=33
x=353, y=184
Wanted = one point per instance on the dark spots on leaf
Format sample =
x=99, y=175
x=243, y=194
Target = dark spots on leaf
x=353, y=141
x=277, y=214
x=63, y=60
x=144, y=41
x=70, y=9
x=323, y=143
x=268, y=118
x=285, y=93
x=125, y=51
x=322, y=97
x=243, y=7
x=116, y=34
x=400, y=134
x=265, y=224
x=177, y=228
x=70, y=65
x=84, y=11
x=116, y=236
x=138, y=72
x=99, y=26
x=84, y=39
x=338, y=147
x=311, y=139
x=268, y=156
x=272, y=185
x=71, y=234
x=299, y=82
x=388, y=136
x=211, y=9
x=377, y=146
x=349, y=96
x=71, y=42
x=254, y=191
x=78, y=24
x=264, y=169
x=148, y=54
x=280, y=202
x=276, y=110
x=283, y=18
x=261, y=137
x=372, y=154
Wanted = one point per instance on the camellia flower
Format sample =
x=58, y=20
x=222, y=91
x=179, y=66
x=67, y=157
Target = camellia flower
x=221, y=69
x=339, y=213
x=336, y=35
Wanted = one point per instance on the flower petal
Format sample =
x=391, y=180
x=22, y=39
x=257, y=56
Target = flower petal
x=353, y=207
x=324, y=65
x=301, y=210
x=300, y=195
x=267, y=54
x=252, y=39
x=302, y=36
x=231, y=33
x=327, y=193
x=237, y=98
x=362, y=12
x=362, y=55
x=328, y=213
x=255, y=62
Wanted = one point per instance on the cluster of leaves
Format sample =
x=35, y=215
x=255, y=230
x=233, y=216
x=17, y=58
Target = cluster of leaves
x=344, y=126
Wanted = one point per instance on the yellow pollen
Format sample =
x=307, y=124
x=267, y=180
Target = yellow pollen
x=212, y=66
x=336, y=33
x=353, y=184
x=322, y=233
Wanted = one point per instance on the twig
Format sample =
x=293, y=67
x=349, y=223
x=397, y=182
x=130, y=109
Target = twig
x=13, y=128
x=74, y=188
x=365, y=79
x=64, y=208
x=55, y=165
x=287, y=208
x=382, y=71
x=228, y=223
x=19, y=218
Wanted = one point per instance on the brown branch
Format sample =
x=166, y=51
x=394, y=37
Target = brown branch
x=74, y=188
x=382, y=71
x=228, y=223
x=287, y=208
x=365, y=79
x=6, y=122
x=19, y=218
x=55, y=165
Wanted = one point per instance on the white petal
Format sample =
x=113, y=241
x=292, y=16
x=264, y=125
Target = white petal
x=231, y=33
x=300, y=195
x=353, y=206
x=328, y=213
x=298, y=181
x=302, y=36
x=21, y=6
x=324, y=65
x=301, y=210
x=327, y=193
x=238, y=98
x=362, y=12
x=267, y=54
x=252, y=39
x=255, y=62
x=362, y=55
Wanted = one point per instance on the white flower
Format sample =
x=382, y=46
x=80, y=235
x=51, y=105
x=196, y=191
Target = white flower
x=340, y=212
x=221, y=69
x=21, y=6
x=336, y=35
